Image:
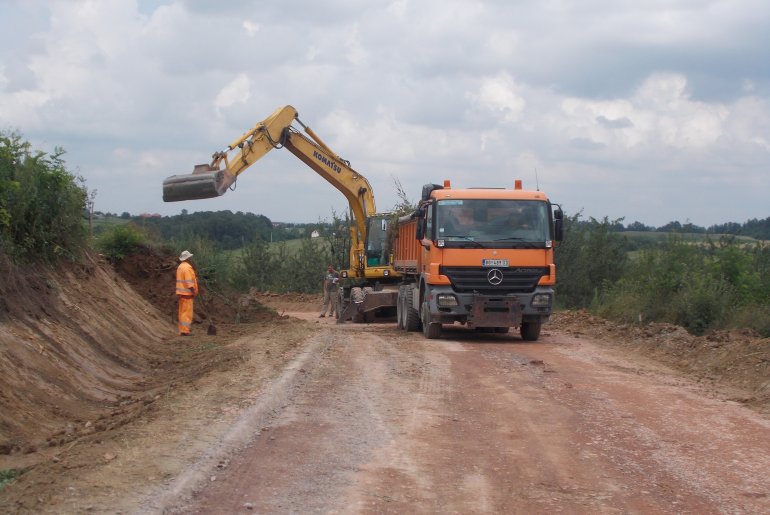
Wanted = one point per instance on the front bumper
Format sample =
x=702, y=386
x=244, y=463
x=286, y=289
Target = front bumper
x=487, y=310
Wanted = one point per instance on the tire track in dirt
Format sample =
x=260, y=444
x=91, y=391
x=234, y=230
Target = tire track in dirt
x=307, y=455
x=248, y=426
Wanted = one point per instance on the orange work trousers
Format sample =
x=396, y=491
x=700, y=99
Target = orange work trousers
x=185, y=314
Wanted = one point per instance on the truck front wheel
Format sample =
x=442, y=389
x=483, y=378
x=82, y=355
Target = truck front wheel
x=400, y=309
x=530, y=331
x=431, y=330
x=411, y=315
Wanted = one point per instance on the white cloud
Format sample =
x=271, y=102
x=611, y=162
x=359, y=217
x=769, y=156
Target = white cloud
x=499, y=95
x=355, y=51
x=251, y=27
x=236, y=92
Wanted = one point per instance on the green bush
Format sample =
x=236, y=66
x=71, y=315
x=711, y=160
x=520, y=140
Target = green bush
x=8, y=475
x=591, y=256
x=700, y=287
x=120, y=241
x=41, y=203
x=280, y=268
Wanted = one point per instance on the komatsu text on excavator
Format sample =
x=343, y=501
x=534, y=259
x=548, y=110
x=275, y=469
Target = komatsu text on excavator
x=370, y=260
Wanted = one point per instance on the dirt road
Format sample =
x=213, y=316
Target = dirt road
x=104, y=409
x=372, y=420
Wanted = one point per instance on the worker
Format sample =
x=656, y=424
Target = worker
x=331, y=280
x=186, y=291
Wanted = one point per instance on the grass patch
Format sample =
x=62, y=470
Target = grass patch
x=8, y=475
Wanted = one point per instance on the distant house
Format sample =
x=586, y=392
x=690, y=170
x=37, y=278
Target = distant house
x=315, y=234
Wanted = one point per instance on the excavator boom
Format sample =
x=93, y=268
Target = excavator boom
x=276, y=131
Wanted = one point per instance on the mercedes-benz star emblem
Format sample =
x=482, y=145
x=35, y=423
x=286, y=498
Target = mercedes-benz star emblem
x=495, y=277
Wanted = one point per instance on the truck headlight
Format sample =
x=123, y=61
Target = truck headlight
x=541, y=300
x=446, y=300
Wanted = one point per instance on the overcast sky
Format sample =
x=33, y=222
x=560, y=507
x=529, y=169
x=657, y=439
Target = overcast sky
x=649, y=110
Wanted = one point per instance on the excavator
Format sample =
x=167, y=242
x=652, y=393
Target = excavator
x=370, y=258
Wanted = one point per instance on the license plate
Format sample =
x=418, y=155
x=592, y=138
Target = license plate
x=494, y=262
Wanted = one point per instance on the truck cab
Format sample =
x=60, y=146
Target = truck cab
x=485, y=259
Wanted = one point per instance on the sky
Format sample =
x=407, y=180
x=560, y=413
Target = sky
x=651, y=111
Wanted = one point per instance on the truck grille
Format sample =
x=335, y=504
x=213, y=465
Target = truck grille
x=514, y=279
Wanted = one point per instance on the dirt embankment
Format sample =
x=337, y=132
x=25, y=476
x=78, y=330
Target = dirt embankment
x=735, y=362
x=86, y=348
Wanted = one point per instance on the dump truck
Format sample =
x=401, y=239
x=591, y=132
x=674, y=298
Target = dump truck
x=480, y=257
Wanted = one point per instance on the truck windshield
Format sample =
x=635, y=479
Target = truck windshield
x=492, y=221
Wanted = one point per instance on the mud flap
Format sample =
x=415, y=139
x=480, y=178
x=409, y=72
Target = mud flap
x=494, y=312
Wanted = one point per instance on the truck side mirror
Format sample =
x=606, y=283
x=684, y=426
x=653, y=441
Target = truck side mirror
x=420, y=229
x=558, y=226
x=420, y=215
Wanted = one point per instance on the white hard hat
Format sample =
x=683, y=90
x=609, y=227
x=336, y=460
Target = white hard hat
x=185, y=255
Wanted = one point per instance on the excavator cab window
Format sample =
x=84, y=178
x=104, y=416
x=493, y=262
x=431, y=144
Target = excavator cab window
x=376, y=240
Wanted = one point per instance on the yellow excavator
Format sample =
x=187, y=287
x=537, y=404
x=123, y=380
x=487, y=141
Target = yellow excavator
x=370, y=258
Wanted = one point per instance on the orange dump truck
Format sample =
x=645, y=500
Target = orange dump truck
x=482, y=257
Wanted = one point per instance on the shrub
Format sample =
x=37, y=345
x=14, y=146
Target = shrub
x=41, y=203
x=120, y=241
x=8, y=475
x=591, y=256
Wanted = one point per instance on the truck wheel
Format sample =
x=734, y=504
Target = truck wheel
x=411, y=315
x=431, y=330
x=400, y=308
x=357, y=297
x=530, y=331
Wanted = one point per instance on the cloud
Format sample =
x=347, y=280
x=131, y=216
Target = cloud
x=616, y=107
x=498, y=94
x=251, y=27
x=236, y=92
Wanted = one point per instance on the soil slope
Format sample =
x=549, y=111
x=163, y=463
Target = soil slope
x=86, y=348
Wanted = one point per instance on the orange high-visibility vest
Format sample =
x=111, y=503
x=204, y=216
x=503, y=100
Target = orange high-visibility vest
x=186, y=282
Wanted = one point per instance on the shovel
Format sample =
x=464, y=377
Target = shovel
x=212, y=329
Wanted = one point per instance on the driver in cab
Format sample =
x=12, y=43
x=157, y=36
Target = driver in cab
x=459, y=221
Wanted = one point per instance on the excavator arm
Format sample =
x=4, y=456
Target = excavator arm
x=213, y=180
x=276, y=131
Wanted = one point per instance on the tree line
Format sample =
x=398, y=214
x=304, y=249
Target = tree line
x=754, y=228
x=227, y=229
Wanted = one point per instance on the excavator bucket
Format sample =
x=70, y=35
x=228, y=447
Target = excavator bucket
x=204, y=182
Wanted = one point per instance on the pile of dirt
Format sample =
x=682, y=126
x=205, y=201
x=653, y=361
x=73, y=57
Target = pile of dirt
x=736, y=361
x=86, y=348
x=152, y=273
